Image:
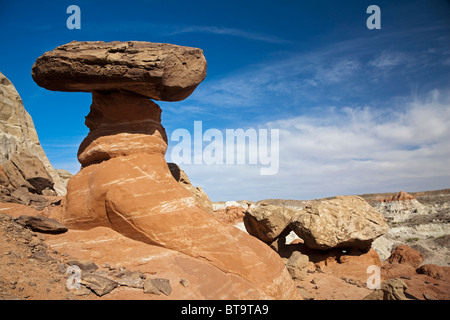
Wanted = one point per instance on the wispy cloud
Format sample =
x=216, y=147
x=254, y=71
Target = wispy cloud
x=169, y=30
x=406, y=146
x=387, y=60
x=296, y=79
x=337, y=71
x=230, y=32
x=349, y=71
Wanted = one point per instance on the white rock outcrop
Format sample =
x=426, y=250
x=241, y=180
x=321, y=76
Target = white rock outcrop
x=18, y=134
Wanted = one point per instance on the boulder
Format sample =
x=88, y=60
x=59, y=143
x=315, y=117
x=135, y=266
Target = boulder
x=344, y=222
x=29, y=199
x=404, y=254
x=97, y=283
x=153, y=70
x=22, y=196
x=14, y=176
x=132, y=279
x=267, y=222
x=435, y=271
x=231, y=215
x=150, y=287
x=392, y=289
x=65, y=176
x=41, y=224
x=26, y=170
x=297, y=265
x=163, y=285
x=397, y=270
x=84, y=265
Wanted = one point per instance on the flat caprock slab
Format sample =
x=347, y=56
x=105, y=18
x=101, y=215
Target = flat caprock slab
x=154, y=70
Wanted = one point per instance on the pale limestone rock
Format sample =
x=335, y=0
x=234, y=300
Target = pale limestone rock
x=297, y=265
x=267, y=222
x=345, y=221
x=64, y=175
x=392, y=289
x=17, y=132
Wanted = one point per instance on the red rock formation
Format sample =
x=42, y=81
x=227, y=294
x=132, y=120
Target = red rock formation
x=230, y=215
x=404, y=254
x=397, y=270
x=352, y=265
x=435, y=271
x=125, y=183
x=423, y=282
x=399, y=197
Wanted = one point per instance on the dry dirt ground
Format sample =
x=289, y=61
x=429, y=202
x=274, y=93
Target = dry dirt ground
x=29, y=269
x=35, y=265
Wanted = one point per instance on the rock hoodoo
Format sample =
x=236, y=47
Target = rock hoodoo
x=125, y=182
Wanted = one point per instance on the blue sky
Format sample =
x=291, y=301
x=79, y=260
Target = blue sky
x=358, y=110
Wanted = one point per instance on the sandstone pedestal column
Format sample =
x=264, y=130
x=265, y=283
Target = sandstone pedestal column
x=125, y=182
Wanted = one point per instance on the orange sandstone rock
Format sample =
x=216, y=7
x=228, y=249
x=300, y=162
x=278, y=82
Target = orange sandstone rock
x=404, y=254
x=125, y=183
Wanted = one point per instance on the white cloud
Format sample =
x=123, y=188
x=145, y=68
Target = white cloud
x=337, y=71
x=344, y=129
x=348, y=122
x=353, y=150
x=388, y=60
x=230, y=32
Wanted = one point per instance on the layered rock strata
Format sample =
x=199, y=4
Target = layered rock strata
x=156, y=71
x=125, y=182
x=400, y=207
x=21, y=155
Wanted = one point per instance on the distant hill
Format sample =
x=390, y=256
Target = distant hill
x=424, y=197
